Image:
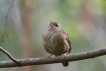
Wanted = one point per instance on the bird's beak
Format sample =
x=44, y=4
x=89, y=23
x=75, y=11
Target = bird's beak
x=51, y=22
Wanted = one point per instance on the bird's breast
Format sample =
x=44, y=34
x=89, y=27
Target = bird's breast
x=54, y=43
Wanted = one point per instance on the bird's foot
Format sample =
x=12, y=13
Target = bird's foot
x=63, y=55
x=45, y=57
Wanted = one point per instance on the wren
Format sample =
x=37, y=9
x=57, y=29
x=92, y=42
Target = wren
x=56, y=41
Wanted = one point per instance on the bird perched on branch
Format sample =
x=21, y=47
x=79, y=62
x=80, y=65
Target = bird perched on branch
x=56, y=41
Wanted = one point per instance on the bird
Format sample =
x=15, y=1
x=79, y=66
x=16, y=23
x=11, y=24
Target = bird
x=56, y=41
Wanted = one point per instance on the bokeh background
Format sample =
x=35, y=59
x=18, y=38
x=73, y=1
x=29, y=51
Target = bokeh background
x=84, y=20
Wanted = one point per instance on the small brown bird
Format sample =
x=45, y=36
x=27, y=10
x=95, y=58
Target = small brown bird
x=56, y=41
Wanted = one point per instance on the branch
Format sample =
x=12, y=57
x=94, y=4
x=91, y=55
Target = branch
x=51, y=60
x=5, y=31
x=9, y=55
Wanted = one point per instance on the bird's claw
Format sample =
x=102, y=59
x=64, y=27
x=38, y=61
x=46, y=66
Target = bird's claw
x=63, y=55
x=45, y=57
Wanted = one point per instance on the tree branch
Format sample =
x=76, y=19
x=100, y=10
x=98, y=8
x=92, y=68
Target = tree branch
x=9, y=55
x=51, y=60
x=5, y=31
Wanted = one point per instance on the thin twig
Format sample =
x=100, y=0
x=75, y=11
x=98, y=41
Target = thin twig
x=5, y=31
x=58, y=59
x=10, y=56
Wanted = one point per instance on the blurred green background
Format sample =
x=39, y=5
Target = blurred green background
x=84, y=20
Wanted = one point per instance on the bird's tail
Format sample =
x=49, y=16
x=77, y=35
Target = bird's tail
x=65, y=64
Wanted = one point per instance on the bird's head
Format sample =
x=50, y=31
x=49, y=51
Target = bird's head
x=54, y=25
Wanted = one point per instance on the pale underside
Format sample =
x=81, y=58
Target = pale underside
x=55, y=43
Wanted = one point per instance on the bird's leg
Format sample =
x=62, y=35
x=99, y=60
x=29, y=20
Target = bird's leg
x=63, y=55
x=45, y=57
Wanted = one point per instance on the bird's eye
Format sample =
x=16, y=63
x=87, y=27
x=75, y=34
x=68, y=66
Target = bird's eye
x=56, y=25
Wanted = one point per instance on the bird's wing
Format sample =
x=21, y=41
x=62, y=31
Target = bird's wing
x=68, y=40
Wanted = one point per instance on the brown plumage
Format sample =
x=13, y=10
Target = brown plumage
x=56, y=41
